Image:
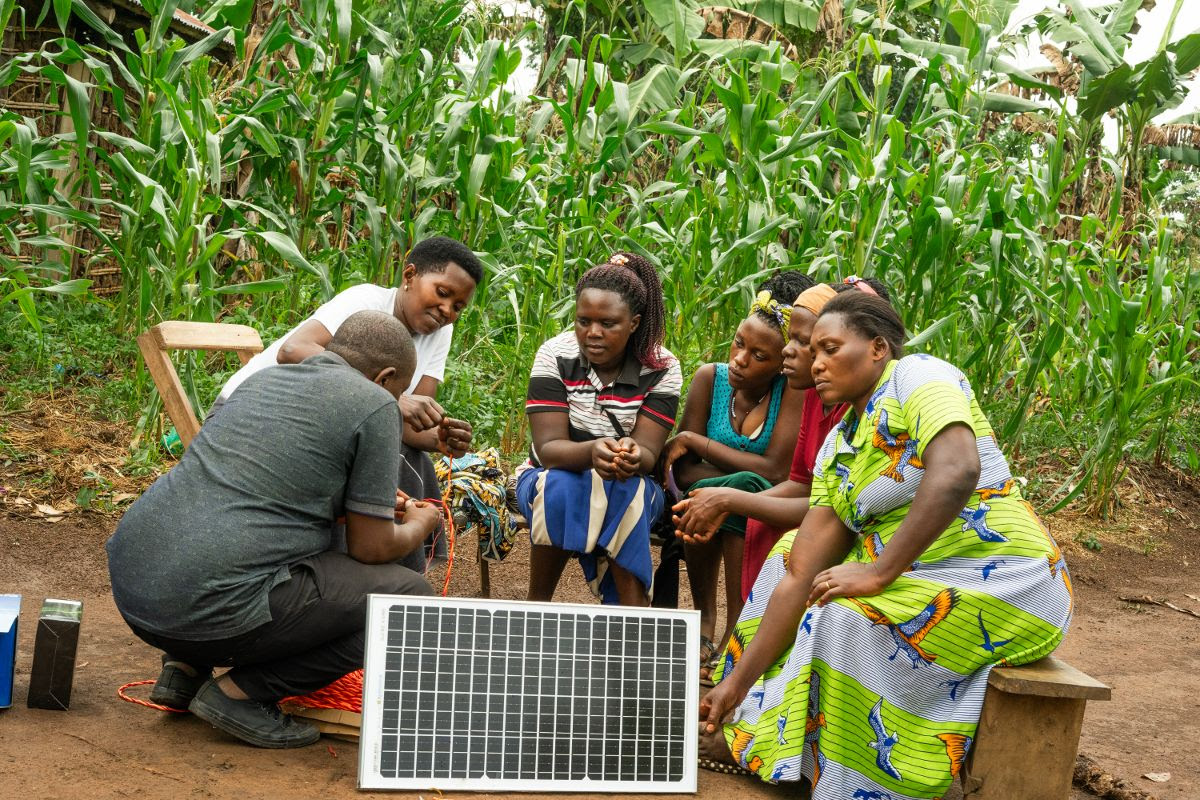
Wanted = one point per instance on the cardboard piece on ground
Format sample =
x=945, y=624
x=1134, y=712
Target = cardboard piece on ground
x=10, y=612
x=329, y=721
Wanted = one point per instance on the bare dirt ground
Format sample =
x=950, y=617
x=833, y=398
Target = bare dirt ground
x=106, y=748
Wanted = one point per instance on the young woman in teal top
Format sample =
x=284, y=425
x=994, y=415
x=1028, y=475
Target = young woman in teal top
x=739, y=429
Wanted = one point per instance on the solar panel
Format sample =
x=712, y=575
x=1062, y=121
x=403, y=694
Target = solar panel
x=494, y=695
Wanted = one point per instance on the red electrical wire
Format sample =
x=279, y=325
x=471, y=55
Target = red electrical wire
x=344, y=694
x=444, y=503
x=138, y=701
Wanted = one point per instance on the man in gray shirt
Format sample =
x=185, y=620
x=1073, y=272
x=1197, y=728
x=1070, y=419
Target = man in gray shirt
x=226, y=559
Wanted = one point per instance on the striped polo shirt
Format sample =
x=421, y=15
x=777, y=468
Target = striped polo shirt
x=562, y=380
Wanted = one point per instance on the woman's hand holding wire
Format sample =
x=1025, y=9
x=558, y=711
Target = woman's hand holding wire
x=420, y=412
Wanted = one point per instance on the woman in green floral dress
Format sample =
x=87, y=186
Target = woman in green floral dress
x=860, y=661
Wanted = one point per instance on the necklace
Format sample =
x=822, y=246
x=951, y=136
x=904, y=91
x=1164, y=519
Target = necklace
x=733, y=406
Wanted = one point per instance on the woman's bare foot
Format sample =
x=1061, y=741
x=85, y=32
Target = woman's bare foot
x=714, y=747
x=708, y=660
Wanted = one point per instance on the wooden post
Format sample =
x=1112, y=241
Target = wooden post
x=485, y=580
x=1029, y=732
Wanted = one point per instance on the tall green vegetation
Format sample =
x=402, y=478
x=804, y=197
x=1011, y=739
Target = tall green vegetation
x=341, y=136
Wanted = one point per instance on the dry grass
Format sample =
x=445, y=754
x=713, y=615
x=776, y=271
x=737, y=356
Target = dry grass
x=52, y=449
x=1153, y=501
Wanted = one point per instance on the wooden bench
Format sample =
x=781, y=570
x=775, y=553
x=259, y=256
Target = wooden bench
x=1029, y=732
x=165, y=336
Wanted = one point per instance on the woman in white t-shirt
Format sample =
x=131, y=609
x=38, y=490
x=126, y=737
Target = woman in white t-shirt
x=438, y=282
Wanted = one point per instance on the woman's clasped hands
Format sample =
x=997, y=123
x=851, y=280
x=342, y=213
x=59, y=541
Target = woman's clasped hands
x=698, y=516
x=616, y=459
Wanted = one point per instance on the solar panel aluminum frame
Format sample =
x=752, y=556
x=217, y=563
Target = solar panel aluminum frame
x=681, y=779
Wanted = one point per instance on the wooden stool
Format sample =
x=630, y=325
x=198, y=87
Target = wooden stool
x=165, y=336
x=1029, y=732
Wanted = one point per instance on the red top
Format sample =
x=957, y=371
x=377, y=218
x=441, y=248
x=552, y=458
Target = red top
x=815, y=425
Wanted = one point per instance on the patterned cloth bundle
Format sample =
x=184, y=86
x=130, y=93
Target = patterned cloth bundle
x=477, y=493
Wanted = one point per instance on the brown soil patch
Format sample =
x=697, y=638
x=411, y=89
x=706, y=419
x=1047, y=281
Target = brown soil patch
x=1149, y=655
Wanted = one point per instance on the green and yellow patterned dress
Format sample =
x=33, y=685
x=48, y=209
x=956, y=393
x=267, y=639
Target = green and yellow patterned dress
x=879, y=697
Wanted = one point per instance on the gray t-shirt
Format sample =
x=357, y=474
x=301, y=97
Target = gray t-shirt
x=259, y=489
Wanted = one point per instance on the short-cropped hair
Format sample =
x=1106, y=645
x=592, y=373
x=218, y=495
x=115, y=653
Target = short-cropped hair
x=372, y=341
x=434, y=253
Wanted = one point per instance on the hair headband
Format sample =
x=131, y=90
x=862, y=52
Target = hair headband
x=780, y=312
x=860, y=284
x=814, y=299
x=622, y=260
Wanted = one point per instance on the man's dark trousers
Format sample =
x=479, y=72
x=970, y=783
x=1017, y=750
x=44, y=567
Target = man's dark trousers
x=316, y=633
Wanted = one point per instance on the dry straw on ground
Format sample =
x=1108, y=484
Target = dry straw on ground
x=52, y=449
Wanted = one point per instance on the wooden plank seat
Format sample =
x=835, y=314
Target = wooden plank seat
x=1029, y=732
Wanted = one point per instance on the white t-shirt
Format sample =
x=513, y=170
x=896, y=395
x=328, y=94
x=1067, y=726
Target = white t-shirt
x=432, y=348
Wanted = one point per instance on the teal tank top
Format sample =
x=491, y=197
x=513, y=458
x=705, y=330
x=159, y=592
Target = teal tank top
x=720, y=426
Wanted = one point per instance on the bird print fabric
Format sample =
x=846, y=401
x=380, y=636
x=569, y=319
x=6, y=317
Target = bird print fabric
x=884, y=741
x=957, y=747
x=879, y=697
x=909, y=633
x=901, y=449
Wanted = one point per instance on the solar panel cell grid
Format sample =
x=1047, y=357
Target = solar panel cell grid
x=528, y=696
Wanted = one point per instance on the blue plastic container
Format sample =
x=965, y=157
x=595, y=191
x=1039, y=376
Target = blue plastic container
x=10, y=611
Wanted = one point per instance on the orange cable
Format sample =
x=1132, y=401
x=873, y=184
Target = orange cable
x=138, y=701
x=444, y=502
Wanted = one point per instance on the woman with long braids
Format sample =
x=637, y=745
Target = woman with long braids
x=738, y=432
x=602, y=399
x=862, y=656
